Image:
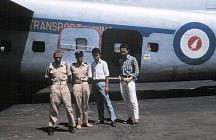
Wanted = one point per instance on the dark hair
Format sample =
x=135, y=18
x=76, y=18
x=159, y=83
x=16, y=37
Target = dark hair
x=124, y=45
x=79, y=53
x=96, y=51
x=57, y=53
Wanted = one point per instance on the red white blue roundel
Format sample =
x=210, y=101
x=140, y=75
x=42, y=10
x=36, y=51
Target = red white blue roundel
x=194, y=43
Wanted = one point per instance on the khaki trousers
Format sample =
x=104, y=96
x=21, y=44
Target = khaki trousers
x=81, y=93
x=60, y=93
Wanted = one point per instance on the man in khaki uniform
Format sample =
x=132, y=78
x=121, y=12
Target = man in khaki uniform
x=58, y=73
x=80, y=72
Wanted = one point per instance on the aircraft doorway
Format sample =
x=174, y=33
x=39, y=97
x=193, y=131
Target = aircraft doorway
x=111, y=41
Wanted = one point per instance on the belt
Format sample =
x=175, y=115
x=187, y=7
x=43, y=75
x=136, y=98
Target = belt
x=79, y=81
x=60, y=83
x=99, y=80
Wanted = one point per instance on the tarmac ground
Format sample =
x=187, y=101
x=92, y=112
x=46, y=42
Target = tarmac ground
x=187, y=118
x=183, y=111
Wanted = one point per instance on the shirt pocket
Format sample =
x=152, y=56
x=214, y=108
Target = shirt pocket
x=75, y=73
x=53, y=73
x=85, y=71
x=63, y=70
x=63, y=73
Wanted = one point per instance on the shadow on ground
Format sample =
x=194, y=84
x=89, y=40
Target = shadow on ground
x=28, y=93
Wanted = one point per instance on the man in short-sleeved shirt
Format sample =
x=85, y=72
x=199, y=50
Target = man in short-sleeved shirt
x=100, y=85
x=58, y=73
x=80, y=74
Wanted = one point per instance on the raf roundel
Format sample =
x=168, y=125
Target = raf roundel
x=194, y=43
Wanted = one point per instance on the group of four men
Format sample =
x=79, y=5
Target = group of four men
x=78, y=73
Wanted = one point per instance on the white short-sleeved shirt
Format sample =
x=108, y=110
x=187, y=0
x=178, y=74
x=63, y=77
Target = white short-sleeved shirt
x=99, y=70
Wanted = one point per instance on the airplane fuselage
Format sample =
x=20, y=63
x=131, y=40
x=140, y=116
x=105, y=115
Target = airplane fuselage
x=170, y=45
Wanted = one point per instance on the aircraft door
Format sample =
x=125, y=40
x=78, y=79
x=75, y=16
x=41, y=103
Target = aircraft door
x=72, y=39
x=111, y=41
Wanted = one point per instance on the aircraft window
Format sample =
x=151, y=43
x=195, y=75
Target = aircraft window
x=153, y=47
x=38, y=46
x=5, y=45
x=80, y=43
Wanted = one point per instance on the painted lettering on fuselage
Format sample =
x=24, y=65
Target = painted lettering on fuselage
x=49, y=25
x=55, y=26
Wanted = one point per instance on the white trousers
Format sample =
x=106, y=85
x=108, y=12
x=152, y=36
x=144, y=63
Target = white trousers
x=128, y=93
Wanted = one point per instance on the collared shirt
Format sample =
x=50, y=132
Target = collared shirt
x=58, y=73
x=81, y=72
x=129, y=66
x=99, y=70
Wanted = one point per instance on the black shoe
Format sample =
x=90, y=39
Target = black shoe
x=50, y=131
x=71, y=129
x=113, y=124
x=129, y=121
x=100, y=122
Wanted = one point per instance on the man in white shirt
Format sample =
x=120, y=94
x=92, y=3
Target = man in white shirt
x=129, y=73
x=100, y=85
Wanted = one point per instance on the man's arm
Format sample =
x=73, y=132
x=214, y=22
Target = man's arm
x=107, y=88
x=106, y=73
x=136, y=68
x=69, y=72
x=120, y=67
x=47, y=74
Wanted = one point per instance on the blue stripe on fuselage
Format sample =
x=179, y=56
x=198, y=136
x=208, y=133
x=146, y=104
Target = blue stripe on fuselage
x=55, y=25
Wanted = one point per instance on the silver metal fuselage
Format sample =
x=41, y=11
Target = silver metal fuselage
x=154, y=24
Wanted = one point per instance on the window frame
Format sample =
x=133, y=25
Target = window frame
x=153, y=47
x=5, y=46
x=41, y=44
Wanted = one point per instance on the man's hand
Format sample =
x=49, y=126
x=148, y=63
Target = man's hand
x=127, y=80
x=107, y=89
x=120, y=78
